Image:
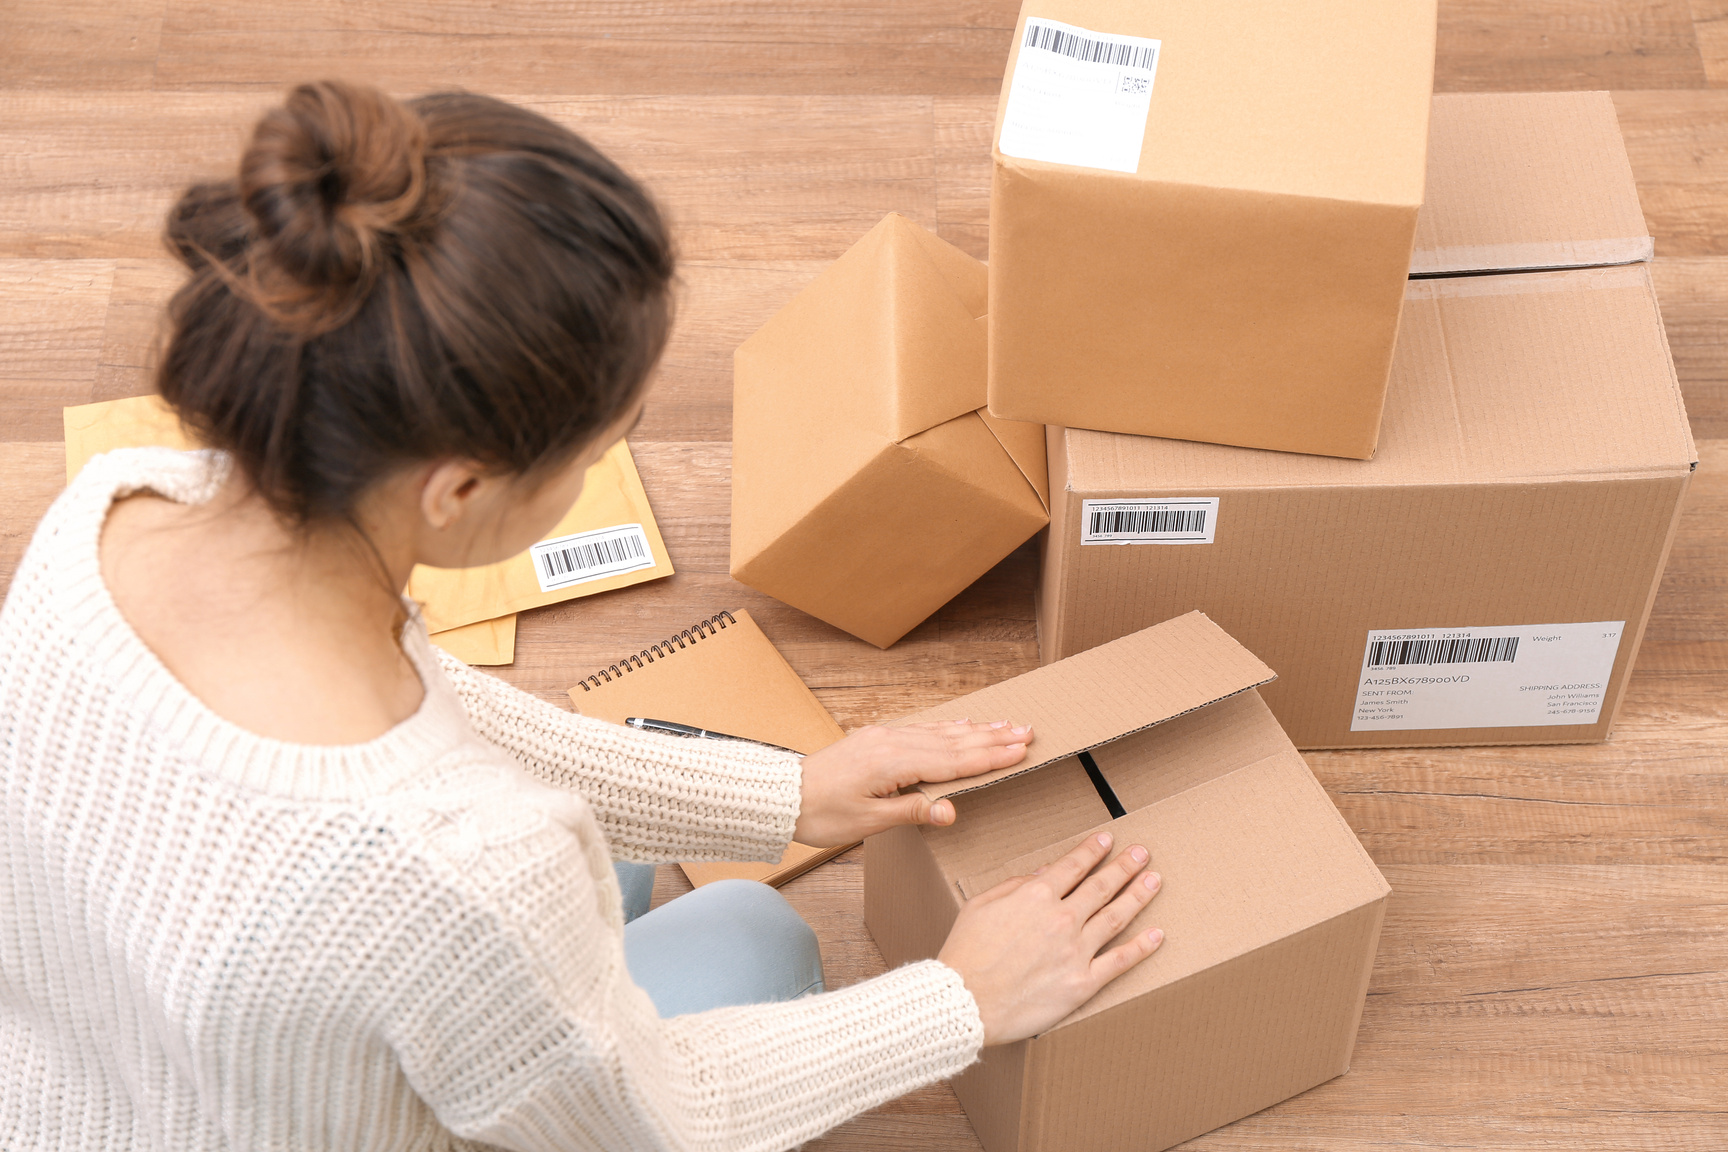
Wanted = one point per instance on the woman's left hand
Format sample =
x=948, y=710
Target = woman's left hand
x=851, y=787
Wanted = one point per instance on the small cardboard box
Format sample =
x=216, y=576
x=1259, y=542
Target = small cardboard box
x=1233, y=274
x=869, y=485
x=1270, y=907
x=1486, y=578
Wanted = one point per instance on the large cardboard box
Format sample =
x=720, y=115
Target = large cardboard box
x=869, y=485
x=1270, y=907
x=1486, y=578
x=1201, y=216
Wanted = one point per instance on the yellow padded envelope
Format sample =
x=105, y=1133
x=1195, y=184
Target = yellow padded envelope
x=469, y=611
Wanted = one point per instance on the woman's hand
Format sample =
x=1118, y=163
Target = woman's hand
x=1028, y=948
x=851, y=787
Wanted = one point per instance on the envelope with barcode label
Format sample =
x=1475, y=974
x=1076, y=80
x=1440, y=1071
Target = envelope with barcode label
x=607, y=540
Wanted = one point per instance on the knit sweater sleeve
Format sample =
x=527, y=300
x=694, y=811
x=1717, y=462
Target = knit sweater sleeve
x=657, y=798
x=527, y=1033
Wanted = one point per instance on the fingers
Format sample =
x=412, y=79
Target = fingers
x=950, y=750
x=1124, y=956
x=1067, y=872
x=1101, y=887
x=1120, y=912
x=913, y=808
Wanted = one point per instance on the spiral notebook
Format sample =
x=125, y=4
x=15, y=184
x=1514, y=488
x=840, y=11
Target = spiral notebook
x=722, y=674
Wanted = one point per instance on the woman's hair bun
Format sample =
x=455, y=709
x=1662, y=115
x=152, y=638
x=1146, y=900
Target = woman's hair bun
x=332, y=179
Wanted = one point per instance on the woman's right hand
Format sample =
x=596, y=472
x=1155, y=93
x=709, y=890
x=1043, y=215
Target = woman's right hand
x=1028, y=948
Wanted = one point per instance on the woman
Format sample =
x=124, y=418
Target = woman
x=279, y=874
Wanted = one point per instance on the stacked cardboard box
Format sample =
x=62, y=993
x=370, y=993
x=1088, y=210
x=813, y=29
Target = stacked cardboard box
x=1485, y=579
x=1201, y=216
x=1373, y=379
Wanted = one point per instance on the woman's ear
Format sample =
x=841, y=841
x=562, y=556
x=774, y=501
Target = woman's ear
x=448, y=490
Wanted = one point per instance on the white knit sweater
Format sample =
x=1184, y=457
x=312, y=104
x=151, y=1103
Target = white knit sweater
x=209, y=939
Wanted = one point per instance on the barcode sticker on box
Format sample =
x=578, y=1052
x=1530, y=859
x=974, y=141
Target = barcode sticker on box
x=1518, y=677
x=1181, y=520
x=566, y=560
x=1079, y=97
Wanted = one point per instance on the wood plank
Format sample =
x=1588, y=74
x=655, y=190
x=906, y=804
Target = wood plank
x=964, y=126
x=1693, y=291
x=720, y=303
x=1539, y=45
x=35, y=473
x=93, y=173
x=51, y=316
x=1678, y=143
x=742, y=178
x=134, y=326
x=80, y=43
x=712, y=46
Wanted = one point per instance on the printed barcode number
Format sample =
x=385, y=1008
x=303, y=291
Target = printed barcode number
x=1140, y=520
x=1487, y=650
x=1091, y=51
x=576, y=559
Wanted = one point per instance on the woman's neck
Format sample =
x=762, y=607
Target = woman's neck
x=290, y=634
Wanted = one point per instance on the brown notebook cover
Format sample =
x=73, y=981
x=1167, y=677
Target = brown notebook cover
x=722, y=674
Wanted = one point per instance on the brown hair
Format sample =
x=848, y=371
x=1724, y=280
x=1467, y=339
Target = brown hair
x=387, y=282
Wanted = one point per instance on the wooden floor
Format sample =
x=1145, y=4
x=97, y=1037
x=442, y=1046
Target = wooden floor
x=1554, y=971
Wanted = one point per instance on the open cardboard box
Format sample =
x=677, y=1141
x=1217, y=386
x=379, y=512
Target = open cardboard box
x=869, y=485
x=1271, y=908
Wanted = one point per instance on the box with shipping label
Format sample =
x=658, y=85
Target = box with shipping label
x=1201, y=216
x=869, y=485
x=1270, y=907
x=1485, y=579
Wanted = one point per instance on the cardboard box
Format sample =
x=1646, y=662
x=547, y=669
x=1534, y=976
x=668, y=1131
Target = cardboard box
x=1270, y=907
x=1235, y=275
x=1528, y=483
x=868, y=483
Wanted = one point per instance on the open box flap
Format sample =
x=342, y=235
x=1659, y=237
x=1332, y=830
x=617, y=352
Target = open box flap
x=1107, y=692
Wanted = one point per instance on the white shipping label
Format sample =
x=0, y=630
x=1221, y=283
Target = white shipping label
x=566, y=560
x=1518, y=677
x=1182, y=520
x=1079, y=97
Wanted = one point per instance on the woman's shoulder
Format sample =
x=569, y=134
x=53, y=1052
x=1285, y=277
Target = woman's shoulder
x=59, y=574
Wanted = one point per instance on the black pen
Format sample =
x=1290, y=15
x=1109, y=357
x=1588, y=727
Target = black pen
x=673, y=728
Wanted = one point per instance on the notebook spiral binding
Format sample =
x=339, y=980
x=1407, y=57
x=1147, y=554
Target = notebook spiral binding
x=701, y=630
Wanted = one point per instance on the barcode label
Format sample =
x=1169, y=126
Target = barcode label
x=1518, y=676
x=567, y=560
x=1180, y=520
x=1123, y=51
x=1079, y=97
x=1393, y=653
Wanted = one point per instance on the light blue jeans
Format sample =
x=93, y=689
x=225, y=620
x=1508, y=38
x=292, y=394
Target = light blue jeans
x=729, y=942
